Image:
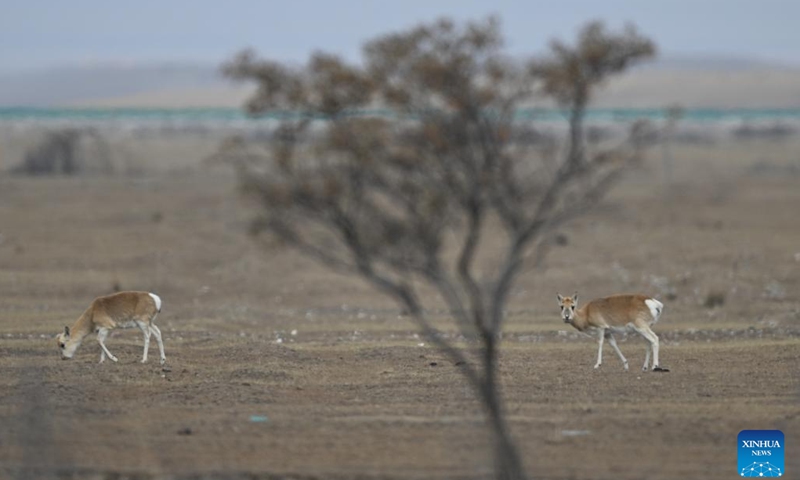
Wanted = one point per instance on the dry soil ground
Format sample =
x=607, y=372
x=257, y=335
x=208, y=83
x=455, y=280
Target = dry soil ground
x=278, y=368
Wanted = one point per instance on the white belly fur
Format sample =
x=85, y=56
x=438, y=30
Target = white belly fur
x=592, y=331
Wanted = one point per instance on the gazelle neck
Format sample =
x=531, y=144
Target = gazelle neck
x=80, y=329
x=579, y=320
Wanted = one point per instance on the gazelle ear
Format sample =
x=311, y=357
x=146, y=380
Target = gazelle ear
x=575, y=298
x=66, y=331
x=560, y=298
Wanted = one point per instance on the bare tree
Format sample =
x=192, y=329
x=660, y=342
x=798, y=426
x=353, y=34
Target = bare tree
x=396, y=170
x=573, y=72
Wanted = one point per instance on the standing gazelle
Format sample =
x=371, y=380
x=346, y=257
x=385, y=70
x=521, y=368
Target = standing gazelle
x=119, y=310
x=618, y=313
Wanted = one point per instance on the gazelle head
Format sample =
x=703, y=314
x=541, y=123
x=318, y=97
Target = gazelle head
x=65, y=346
x=568, y=306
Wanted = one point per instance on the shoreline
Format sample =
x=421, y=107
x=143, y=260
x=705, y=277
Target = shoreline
x=692, y=122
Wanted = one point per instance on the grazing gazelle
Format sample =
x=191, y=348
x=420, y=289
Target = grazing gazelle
x=119, y=310
x=617, y=313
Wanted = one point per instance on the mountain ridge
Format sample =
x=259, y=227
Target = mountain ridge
x=692, y=81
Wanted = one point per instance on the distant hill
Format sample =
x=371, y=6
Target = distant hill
x=714, y=82
x=718, y=63
x=703, y=89
x=76, y=84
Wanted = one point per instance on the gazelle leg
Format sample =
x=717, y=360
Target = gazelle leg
x=600, y=348
x=613, y=342
x=653, y=339
x=101, y=338
x=157, y=332
x=656, y=364
x=647, y=356
x=146, y=331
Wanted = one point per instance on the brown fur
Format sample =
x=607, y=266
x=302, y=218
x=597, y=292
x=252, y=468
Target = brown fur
x=613, y=311
x=118, y=310
x=112, y=310
x=604, y=315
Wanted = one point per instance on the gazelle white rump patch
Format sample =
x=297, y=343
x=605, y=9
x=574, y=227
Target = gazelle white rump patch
x=157, y=299
x=655, y=307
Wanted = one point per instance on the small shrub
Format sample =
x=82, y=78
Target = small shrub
x=67, y=151
x=714, y=299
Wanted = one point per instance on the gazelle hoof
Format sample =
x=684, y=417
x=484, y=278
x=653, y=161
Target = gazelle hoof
x=163, y=361
x=660, y=369
x=625, y=366
x=644, y=369
x=113, y=359
x=597, y=366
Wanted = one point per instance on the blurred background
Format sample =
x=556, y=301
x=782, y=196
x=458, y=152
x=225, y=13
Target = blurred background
x=110, y=116
x=150, y=54
x=151, y=67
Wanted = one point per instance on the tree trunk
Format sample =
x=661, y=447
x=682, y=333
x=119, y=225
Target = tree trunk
x=508, y=465
x=575, y=155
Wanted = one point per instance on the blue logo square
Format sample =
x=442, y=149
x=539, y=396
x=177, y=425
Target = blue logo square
x=761, y=453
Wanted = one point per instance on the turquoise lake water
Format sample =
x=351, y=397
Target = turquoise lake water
x=210, y=116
